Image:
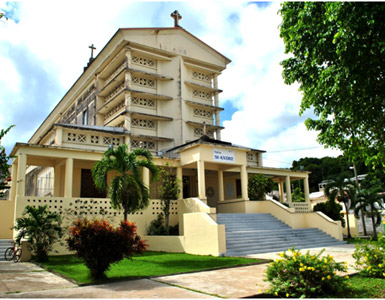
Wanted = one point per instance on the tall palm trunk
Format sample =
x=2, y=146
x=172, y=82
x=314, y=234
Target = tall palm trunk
x=347, y=219
x=373, y=223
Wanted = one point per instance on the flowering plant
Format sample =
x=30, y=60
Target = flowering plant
x=370, y=258
x=305, y=276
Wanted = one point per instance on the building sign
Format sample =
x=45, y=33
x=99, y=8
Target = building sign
x=221, y=155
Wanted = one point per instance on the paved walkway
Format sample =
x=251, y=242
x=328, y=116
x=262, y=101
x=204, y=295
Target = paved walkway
x=26, y=280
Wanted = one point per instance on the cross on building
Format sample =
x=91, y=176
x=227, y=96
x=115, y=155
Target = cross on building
x=92, y=47
x=176, y=16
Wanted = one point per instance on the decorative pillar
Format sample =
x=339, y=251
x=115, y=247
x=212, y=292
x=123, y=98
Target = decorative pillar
x=221, y=191
x=244, y=183
x=288, y=189
x=217, y=112
x=306, y=189
x=12, y=192
x=57, y=181
x=68, y=183
x=21, y=169
x=146, y=177
x=179, y=176
x=281, y=192
x=201, y=180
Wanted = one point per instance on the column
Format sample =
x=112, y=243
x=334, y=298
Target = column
x=57, y=181
x=221, y=191
x=201, y=180
x=288, y=189
x=12, y=192
x=179, y=176
x=281, y=192
x=306, y=189
x=244, y=183
x=146, y=177
x=68, y=178
x=59, y=136
x=21, y=168
x=216, y=103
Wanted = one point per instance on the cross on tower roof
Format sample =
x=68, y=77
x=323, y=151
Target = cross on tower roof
x=92, y=47
x=176, y=16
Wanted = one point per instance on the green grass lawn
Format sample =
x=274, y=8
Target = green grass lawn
x=148, y=264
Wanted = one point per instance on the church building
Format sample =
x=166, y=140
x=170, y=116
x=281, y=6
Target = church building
x=158, y=89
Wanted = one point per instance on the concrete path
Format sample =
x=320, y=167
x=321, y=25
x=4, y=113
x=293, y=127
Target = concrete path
x=25, y=280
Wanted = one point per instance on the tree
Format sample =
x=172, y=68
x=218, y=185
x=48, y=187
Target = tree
x=41, y=228
x=343, y=191
x=4, y=167
x=371, y=202
x=339, y=63
x=298, y=195
x=126, y=189
x=169, y=190
x=258, y=186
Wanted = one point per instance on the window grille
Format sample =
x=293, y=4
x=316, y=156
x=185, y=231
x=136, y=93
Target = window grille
x=143, y=123
x=201, y=76
x=143, y=102
x=202, y=113
x=144, y=82
x=145, y=62
x=202, y=94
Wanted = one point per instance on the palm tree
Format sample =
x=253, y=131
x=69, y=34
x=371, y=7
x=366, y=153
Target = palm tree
x=126, y=189
x=370, y=201
x=41, y=228
x=344, y=191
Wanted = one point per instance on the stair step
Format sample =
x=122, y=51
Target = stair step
x=262, y=233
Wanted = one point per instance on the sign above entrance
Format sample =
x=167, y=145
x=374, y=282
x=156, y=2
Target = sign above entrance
x=221, y=155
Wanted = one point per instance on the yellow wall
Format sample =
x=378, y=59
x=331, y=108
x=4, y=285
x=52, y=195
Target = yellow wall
x=6, y=218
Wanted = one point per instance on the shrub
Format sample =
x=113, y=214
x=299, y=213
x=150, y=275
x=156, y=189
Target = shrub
x=297, y=275
x=157, y=228
x=332, y=210
x=370, y=258
x=41, y=228
x=99, y=244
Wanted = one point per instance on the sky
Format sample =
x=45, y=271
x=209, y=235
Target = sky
x=44, y=47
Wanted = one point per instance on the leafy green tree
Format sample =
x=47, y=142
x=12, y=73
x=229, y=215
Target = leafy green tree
x=169, y=190
x=344, y=191
x=4, y=167
x=258, y=186
x=126, y=189
x=337, y=58
x=298, y=195
x=41, y=228
x=371, y=202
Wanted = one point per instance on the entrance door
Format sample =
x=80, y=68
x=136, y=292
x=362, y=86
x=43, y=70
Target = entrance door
x=87, y=188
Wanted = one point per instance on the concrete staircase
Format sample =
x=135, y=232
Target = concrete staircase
x=4, y=244
x=248, y=234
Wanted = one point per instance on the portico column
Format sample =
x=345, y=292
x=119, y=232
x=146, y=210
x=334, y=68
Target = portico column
x=288, y=189
x=281, y=192
x=57, y=181
x=179, y=176
x=221, y=192
x=244, y=183
x=68, y=178
x=146, y=177
x=21, y=168
x=306, y=189
x=201, y=180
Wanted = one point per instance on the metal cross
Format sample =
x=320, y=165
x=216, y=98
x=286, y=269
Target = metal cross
x=92, y=47
x=176, y=16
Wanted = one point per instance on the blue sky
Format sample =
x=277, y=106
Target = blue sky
x=44, y=47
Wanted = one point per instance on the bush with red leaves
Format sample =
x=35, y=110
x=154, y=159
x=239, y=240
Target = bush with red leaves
x=100, y=245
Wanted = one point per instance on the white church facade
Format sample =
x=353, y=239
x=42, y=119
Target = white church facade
x=155, y=88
